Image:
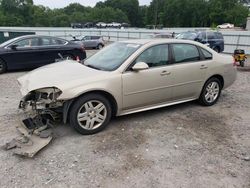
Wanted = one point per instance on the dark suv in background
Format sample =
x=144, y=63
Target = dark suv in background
x=213, y=39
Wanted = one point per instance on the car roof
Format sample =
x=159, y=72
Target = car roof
x=26, y=37
x=29, y=36
x=160, y=41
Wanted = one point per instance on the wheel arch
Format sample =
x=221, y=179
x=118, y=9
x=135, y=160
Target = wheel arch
x=219, y=77
x=6, y=64
x=68, y=104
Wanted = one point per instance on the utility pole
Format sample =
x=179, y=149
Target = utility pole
x=156, y=13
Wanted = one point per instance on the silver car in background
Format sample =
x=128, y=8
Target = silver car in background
x=127, y=77
x=96, y=42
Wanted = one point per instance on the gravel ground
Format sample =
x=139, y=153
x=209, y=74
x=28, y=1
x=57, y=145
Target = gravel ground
x=185, y=145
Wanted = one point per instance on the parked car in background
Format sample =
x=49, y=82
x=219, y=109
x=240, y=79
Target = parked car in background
x=226, y=26
x=160, y=35
x=212, y=39
x=127, y=77
x=76, y=25
x=32, y=51
x=114, y=25
x=91, y=42
x=125, y=25
x=101, y=25
x=88, y=25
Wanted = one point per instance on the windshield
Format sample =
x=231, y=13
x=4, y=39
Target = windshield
x=111, y=57
x=7, y=42
x=188, y=35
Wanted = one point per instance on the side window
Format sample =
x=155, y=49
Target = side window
x=87, y=38
x=202, y=36
x=210, y=35
x=154, y=56
x=28, y=42
x=95, y=38
x=185, y=53
x=45, y=41
x=206, y=54
x=57, y=42
x=219, y=35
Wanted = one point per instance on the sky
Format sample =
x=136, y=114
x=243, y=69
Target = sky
x=64, y=3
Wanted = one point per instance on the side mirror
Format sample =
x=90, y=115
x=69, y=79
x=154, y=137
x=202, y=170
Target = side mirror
x=140, y=66
x=13, y=46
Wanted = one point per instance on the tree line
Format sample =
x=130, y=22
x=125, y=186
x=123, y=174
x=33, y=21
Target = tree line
x=169, y=13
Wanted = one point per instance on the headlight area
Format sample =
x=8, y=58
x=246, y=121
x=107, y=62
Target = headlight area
x=44, y=98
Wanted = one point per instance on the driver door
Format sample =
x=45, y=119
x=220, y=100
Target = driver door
x=151, y=86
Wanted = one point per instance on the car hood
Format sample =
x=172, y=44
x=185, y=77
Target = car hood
x=61, y=75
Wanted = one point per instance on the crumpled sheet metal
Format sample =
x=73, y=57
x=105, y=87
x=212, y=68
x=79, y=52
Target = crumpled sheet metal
x=29, y=143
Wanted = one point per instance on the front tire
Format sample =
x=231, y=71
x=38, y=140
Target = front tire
x=210, y=92
x=3, y=66
x=90, y=114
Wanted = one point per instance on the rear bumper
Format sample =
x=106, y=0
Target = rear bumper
x=230, y=77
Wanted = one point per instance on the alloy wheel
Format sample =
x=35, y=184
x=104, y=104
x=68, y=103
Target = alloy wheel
x=212, y=92
x=92, y=115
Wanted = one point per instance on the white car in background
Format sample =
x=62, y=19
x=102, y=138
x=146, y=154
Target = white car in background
x=101, y=25
x=114, y=25
x=226, y=26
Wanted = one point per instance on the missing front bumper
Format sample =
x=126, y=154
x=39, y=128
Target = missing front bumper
x=33, y=135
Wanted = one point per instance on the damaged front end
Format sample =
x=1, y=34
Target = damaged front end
x=41, y=110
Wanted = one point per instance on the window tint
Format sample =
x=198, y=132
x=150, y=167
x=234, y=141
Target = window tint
x=207, y=54
x=45, y=41
x=155, y=56
x=95, y=37
x=185, y=53
x=87, y=38
x=57, y=42
x=52, y=41
x=28, y=42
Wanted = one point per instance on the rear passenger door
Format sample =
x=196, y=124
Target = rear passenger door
x=188, y=70
x=51, y=48
x=87, y=42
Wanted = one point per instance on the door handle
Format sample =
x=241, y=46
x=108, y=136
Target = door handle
x=163, y=73
x=203, y=67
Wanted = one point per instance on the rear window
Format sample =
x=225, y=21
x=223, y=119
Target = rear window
x=185, y=53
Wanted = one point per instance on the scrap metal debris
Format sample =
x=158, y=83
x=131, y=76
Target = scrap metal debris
x=34, y=134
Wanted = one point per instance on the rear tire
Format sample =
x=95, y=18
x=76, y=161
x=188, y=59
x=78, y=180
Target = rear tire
x=242, y=63
x=100, y=46
x=3, y=66
x=90, y=114
x=211, y=92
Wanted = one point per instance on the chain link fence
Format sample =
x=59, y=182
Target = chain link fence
x=233, y=39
